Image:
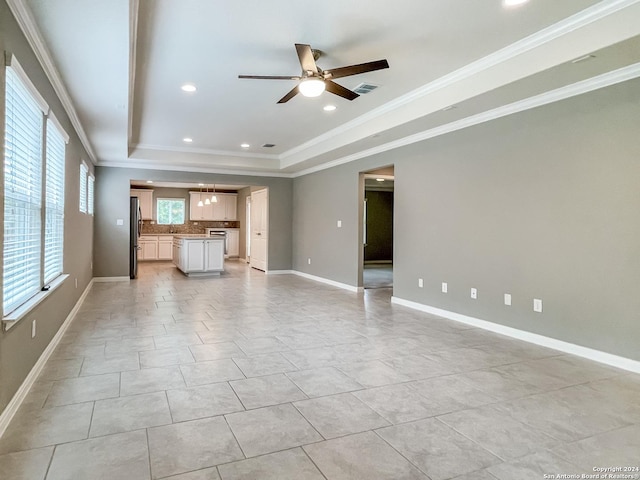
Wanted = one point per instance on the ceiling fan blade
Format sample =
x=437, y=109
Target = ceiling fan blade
x=340, y=90
x=290, y=95
x=305, y=55
x=356, y=69
x=270, y=77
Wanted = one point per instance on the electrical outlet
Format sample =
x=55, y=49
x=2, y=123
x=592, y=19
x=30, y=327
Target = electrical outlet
x=444, y=287
x=33, y=328
x=537, y=305
x=309, y=261
x=420, y=283
x=507, y=299
x=474, y=293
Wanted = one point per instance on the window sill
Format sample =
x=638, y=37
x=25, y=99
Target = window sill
x=23, y=310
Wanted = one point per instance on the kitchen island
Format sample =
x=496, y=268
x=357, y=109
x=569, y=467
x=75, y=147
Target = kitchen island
x=198, y=256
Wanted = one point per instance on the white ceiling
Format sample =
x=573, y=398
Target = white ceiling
x=118, y=66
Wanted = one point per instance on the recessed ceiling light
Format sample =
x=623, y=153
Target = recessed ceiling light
x=245, y=145
x=187, y=140
x=149, y=181
x=513, y=3
x=329, y=108
x=188, y=87
x=379, y=179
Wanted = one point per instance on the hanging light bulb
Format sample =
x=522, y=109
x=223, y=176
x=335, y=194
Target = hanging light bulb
x=214, y=199
x=200, y=203
x=206, y=198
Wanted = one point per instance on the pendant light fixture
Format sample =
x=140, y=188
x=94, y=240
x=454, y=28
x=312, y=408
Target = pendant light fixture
x=206, y=198
x=201, y=203
x=214, y=199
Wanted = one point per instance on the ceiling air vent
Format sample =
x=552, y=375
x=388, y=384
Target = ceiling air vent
x=269, y=145
x=365, y=88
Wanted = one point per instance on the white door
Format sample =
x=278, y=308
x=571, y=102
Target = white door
x=259, y=229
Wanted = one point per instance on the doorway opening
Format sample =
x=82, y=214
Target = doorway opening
x=377, y=228
x=248, y=229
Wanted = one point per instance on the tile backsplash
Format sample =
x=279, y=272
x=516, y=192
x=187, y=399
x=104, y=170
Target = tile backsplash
x=189, y=227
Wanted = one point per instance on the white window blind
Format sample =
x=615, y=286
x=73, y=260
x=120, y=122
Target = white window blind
x=54, y=203
x=90, y=187
x=22, y=194
x=83, y=187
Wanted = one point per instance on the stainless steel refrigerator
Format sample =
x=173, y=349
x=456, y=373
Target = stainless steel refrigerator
x=134, y=234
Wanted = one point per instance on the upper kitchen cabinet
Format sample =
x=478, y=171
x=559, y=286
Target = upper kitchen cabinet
x=224, y=209
x=145, y=198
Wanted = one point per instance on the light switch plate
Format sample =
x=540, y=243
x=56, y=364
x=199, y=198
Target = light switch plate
x=537, y=305
x=339, y=223
x=444, y=287
x=119, y=221
x=507, y=299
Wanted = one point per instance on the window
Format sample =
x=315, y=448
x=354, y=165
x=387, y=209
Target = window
x=90, y=187
x=84, y=171
x=170, y=211
x=33, y=223
x=54, y=203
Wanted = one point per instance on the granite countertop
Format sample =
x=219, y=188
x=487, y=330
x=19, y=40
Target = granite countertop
x=196, y=236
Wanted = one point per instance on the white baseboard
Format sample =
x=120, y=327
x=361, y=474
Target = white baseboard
x=11, y=409
x=111, y=279
x=333, y=283
x=578, y=350
x=279, y=272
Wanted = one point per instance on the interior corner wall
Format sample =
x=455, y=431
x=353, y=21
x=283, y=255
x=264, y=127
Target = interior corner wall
x=18, y=351
x=540, y=204
x=111, y=241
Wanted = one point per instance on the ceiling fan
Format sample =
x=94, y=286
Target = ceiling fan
x=313, y=80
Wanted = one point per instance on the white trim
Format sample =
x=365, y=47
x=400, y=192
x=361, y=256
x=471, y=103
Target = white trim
x=579, y=20
x=601, y=81
x=279, y=272
x=23, y=310
x=13, y=406
x=110, y=279
x=578, y=350
x=27, y=24
x=51, y=116
x=207, y=151
x=144, y=164
x=12, y=62
x=333, y=283
x=134, y=7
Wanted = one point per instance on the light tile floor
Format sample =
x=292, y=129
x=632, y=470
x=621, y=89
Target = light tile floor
x=250, y=376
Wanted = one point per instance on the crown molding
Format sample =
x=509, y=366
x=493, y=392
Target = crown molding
x=155, y=165
x=205, y=151
x=27, y=24
x=595, y=83
x=563, y=27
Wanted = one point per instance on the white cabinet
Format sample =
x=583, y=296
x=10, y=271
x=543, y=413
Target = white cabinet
x=233, y=242
x=225, y=208
x=148, y=248
x=155, y=247
x=145, y=198
x=199, y=256
x=165, y=248
x=205, y=212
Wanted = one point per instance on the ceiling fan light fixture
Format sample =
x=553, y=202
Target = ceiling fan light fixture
x=311, y=87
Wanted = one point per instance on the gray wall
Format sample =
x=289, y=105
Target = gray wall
x=18, y=351
x=541, y=204
x=111, y=243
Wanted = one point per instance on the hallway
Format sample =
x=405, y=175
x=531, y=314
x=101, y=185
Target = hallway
x=277, y=377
